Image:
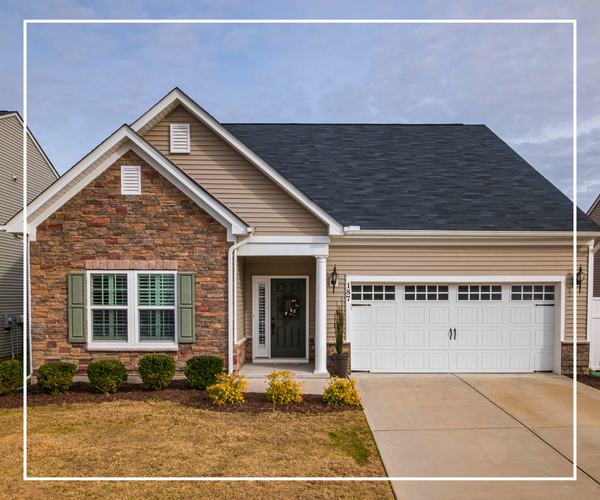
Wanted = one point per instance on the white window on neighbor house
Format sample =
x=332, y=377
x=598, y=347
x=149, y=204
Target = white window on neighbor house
x=180, y=137
x=131, y=179
x=132, y=308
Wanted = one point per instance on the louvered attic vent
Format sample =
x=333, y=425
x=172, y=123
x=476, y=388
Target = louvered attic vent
x=180, y=137
x=131, y=179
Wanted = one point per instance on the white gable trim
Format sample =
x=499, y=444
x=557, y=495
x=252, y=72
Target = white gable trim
x=234, y=225
x=335, y=228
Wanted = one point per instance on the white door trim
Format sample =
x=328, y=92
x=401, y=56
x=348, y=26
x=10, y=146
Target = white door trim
x=267, y=279
x=558, y=280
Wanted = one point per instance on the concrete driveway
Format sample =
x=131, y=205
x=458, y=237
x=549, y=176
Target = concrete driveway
x=463, y=425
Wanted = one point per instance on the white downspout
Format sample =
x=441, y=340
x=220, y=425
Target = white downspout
x=232, y=297
x=28, y=318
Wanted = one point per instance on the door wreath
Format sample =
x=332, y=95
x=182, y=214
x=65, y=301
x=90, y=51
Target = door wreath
x=288, y=313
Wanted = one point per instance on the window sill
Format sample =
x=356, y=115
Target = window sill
x=129, y=347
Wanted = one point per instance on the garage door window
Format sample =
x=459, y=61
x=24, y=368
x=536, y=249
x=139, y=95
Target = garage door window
x=426, y=292
x=532, y=292
x=479, y=292
x=373, y=292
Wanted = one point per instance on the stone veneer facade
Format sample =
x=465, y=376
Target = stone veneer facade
x=583, y=355
x=101, y=229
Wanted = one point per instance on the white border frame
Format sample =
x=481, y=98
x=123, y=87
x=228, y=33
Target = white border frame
x=133, y=332
x=572, y=22
x=256, y=279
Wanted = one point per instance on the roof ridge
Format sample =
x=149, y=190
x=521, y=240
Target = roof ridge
x=362, y=124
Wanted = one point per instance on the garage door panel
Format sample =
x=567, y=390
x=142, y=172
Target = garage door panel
x=467, y=338
x=385, y=338
x=439, y=316
x=414, y=315
x=438, y=361
x=439, y=338
x=416, y=333
x=414, y=338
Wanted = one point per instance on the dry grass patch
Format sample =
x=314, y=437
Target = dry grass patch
x=132, y=438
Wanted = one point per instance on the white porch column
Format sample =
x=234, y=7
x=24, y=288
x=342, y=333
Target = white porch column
x=321, y=316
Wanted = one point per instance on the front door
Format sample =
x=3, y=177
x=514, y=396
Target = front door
x=288, y=318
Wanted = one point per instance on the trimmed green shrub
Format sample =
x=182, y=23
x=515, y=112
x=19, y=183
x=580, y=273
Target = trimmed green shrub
x=106, y=375
x=56, y=378
x=202, y=371
x=11, y=376
x=156, y=371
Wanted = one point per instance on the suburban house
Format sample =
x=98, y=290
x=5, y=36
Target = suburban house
x=594, y=296
x=41, y=174
x=445, y=249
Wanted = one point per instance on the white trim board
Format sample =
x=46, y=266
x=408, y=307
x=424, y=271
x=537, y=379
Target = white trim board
x=130, y=141
x=284, y=249
x=178, y=95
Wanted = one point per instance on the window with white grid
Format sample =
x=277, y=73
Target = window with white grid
x=532, y=292
x=479, y=292
x=373, y=292
x=426, y=292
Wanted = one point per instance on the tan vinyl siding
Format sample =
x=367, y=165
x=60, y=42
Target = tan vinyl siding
x=236, y=183
x=595, y=215
x=241, y=295
x=280, y=266
x=436, y=260
x=39, y=176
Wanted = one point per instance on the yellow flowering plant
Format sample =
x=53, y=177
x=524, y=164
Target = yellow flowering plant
x=341, y=391
x=284, y=388
x=229, y=389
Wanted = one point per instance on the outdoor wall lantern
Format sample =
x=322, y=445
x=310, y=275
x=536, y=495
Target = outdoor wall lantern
x=334, y=278
x=580, y=277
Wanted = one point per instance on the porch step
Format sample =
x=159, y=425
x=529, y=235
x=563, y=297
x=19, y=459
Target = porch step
x=302, y=370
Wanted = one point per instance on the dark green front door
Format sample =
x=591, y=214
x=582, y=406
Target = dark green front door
x=288, y=339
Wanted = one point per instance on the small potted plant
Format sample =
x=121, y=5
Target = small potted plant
x=340, y=359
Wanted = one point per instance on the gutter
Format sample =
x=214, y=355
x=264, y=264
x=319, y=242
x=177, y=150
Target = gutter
x=352, y=231
x=232, y=296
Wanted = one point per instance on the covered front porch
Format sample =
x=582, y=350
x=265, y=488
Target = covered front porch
x=280, y=306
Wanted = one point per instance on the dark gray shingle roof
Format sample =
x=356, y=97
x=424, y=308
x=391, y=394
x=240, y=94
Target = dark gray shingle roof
x=413, y=177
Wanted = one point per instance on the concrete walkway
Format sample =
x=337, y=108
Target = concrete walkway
x=445, y=425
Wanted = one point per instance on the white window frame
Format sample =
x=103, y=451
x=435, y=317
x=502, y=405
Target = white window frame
x=189, y=139
x=384, y=293
x=427, y=293
x=133, y=342
x=479, y=293
x=526, y=301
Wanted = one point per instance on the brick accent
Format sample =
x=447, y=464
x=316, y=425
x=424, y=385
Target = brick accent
x=583, y=357
x=101, y=229
x=331, y=350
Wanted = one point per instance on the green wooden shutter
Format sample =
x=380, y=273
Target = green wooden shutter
x=77, y=296
x=186, y=320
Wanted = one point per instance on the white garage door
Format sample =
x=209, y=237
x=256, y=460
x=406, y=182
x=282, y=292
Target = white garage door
x=452, y=328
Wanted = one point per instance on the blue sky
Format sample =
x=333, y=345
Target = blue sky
x=87, y=80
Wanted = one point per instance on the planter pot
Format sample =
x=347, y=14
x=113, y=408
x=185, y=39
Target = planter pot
x=340, y=362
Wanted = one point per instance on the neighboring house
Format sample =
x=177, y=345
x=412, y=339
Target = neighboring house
x=184, y=235
x=40, y=175
x=594, y=309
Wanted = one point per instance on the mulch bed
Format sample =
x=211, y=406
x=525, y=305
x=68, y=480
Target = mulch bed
x=178, y=392
x=591, y=380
